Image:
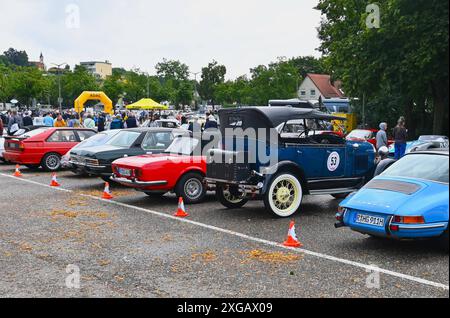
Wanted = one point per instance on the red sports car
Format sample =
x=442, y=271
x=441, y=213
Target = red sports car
x=44, y=146
x=369, y=135
x=179, y=169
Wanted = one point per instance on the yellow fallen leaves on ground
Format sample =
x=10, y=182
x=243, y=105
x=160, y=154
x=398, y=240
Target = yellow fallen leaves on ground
x=67, y=214
x=117, y=193
x=271, y=257
x=103, y=262
x=25, y=247
x=205, y=257
x=75, y=214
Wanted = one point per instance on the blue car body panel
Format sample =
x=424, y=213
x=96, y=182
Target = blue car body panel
x=431, y=201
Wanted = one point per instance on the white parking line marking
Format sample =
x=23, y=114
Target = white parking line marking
x=249, y=238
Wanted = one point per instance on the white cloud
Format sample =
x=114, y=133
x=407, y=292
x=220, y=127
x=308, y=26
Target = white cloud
x=238, y=33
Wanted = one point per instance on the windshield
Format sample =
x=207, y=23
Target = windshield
x=421, y=166
x=360, y=134
x=183, y=146
x=124, y=139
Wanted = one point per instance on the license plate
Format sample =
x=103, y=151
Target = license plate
x=124, y=172
x=370, y=220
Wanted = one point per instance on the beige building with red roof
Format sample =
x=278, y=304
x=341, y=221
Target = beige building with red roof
x=316, y=86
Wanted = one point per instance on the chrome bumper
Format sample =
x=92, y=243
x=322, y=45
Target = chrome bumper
x=76, y=163
x=421, y=226
x=137, y=183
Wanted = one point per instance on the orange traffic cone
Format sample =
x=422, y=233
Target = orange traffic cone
x=181, y=213
x=107, y=192
x=292, y=240
x=17, y=173
x=54, y=182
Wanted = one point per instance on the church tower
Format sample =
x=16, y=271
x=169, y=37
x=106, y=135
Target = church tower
x=41, y=58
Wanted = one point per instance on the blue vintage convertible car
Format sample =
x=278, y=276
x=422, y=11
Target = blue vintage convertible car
x=410, y=200
x=303, y=159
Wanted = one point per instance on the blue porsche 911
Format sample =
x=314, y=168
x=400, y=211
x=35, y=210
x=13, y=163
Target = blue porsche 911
x=409, y=200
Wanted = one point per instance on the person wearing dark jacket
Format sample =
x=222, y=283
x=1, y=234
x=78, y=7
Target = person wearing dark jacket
x=131, y=121
x=101, y=122
x=27, y=120
x=117, y=123
x=211, y=123
x=400, y=137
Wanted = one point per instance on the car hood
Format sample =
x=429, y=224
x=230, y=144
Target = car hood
x=398, y=196
x=145, y=160
x=94, y=151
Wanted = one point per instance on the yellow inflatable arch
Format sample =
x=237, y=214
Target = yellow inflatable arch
x=85, y=96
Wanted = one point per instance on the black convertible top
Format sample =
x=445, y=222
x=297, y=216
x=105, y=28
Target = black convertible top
x=268, y=117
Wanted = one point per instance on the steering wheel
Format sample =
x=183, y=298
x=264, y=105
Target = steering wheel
x=304, y=132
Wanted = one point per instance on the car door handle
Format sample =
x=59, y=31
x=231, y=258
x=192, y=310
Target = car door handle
x=299, y=152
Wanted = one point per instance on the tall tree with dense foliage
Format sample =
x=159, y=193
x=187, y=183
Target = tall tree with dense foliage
x=212, y=76
x=170, y=69
x=13, y=56
x=407, y=56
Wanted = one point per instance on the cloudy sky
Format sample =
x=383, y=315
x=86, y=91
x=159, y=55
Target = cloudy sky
x=139, y=33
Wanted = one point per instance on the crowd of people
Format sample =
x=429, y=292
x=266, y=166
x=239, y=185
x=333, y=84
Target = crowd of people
x=14, y=120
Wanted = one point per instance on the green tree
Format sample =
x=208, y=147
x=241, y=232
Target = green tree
x=212, y=76
x=407, y=56
x=171, y=69
x=27, y=83
x=74, y=83
x=13, y=56
x=185, y=93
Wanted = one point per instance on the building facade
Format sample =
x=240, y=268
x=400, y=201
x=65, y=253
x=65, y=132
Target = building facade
x=319, y=86
x=99, y=69
x=40, y=65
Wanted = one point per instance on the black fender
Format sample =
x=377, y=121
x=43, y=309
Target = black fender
x=289, y=166
x=383, y=165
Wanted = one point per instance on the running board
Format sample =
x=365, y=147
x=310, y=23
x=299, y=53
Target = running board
x=333, y=191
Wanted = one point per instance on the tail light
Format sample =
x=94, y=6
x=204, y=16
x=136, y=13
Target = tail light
x=409, y=219
x=21, y=146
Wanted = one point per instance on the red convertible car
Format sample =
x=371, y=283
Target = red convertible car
x=44, y=146
x=180, y=169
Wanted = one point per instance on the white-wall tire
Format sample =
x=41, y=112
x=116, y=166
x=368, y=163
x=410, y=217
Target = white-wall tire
x=284, y=195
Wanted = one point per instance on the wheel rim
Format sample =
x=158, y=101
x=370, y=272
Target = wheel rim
x=285, y=195
x=52, y=162
x=233, y=198
x=193, y=189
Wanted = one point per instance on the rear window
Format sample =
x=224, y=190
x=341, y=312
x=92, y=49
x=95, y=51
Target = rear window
x=157, y=141
x=124, y=139
x=421, y=166
x=85, y=134
x=33, y=133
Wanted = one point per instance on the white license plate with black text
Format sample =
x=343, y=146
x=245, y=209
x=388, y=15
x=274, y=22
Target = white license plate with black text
x=370, y=220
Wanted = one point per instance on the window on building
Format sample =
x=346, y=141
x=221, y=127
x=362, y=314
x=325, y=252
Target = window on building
x=313, y=92
x=303, y=93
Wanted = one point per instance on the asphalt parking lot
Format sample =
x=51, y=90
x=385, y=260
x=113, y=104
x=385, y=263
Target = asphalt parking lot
x=133, y=247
